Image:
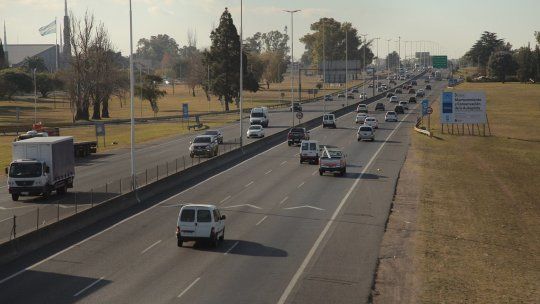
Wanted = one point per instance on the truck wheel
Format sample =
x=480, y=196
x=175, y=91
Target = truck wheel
x=179, y=243
x=191, y=155
x=320, y=172
x=15, y=196
x=301, y=160
x=214, y=240
x=222, y=237
x=61, y=190
x=289, y=143
x=46, y=193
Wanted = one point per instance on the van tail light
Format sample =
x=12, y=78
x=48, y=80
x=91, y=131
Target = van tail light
x=290, y=136
x=177, y=230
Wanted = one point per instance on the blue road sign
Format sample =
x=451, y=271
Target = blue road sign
x=425, y=106
x=185, y=110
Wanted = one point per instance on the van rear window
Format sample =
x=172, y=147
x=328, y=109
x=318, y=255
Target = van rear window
x=188, y=215
x=203, y=216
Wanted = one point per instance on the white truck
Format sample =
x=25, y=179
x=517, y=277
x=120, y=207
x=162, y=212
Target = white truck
x=259, y=116
x=41, y=165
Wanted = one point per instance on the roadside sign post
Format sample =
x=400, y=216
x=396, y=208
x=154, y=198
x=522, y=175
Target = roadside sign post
x=440, y=62
x=299, y=115
x=100, y=131
x=429, y=112
x=185, y=112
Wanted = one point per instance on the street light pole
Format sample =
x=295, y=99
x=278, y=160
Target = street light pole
x=324, y=64
x=241, y=74
x=364, y=64
x=346, y=67
x=35, y=96
x=292, y=61
x=388, y=54
x=132, y=107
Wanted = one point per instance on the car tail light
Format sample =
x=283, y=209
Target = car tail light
x=290, y=136
x=177, y=230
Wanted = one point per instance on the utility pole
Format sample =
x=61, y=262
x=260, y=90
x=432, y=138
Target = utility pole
x=378, y=59
x=346, y=67
x=399, y=54
x=364, y=63
x=324, y=65
x=132, y=108
x=35, y=96
x=292, y=61
x=388, y=54
x=241, y=76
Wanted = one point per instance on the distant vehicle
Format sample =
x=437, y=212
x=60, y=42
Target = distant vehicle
x=216, y=133
x=365, y=132
x=328, y=98
x=412, y=91
x=420, y=93
x=390, y=116
x=398, y=91
x=426, y=80
x=341, y=95
x=394, y=99
x=362, y=108
x=309, y=151
x=41, y=165
x=363, y=96
x=255, y=131
x=332, y=160
x=399, y=110
x=380, y=89
x=329, y=120
x=392, y=82
x=259, y=116
x=360, y=118
x=296, y=107
x=204, y=145
x=412, y=99
x=428, y=87
x=389, y=95
x=296, y=135
x=354, y=90
x=404, y=104
x=200, y=223
x=414, y=83
x=379, y=106
x=372, y=121
x=350, y=96
x=370, y=85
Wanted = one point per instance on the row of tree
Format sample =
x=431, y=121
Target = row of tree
x=498, y=60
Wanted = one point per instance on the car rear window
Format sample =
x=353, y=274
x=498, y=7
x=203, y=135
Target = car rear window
x=188, y=215
x=309, y=146
x=297, y=130
x=365, y=129
x=203, y=216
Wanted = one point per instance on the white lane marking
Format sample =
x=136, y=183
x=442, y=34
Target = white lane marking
x=89, y=286
x=232, y=247
x=189, y=287
x=261, y=220
x=315, y=172
x=283, y=200
x=267, y=172
x=249, y=205
x=223, y=200
x=304, y=206
x=283, y=163
x=150, y=247
x=13, y=208
x=175, y=205
x=249, y=184
x=301, y=184
x=313, y=249
x=8, y=218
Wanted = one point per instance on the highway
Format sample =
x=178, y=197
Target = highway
x=292, y=236
x=109, y=167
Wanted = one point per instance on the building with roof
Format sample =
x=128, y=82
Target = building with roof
x=19, y=52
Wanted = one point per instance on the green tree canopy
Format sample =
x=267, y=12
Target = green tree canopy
x=483, y=48
x=150, y=91
x=501, y=64
x=35, y=62
x=223, y=59
x=393, y=60
x=3, y=59
x=13, y=80
x=524, y=58
x=156, y=47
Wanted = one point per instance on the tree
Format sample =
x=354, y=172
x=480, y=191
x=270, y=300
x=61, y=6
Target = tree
x=35, y=62
x=483, y=48
x=13, y=80
x=501, y=64
x=45, y=83
x=3, y=60
x=275, y=64
x=254, y=43
x=223, y=59
x=151, y=92
x=196, y=71
x=526, y=64
x=275, y=41
x=393, y=60
x=154, y=48
x=537, y=36
x=328, y=37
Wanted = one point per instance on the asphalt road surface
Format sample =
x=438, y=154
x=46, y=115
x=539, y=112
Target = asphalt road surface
x=292, y=236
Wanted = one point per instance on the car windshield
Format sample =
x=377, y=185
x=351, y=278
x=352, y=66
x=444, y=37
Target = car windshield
x=328, y=117
x=257, y=114
x=365, y=129
x=370, y=119
x=24, y=170
x=297, y=130
x=202, y=139
x=391, y=113
x=255, y=127
x=332, y=154
x=211, y=133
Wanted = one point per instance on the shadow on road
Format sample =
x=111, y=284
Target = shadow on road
x=242, y=248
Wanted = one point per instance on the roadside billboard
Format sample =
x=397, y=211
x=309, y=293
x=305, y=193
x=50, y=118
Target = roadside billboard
x=461, y=107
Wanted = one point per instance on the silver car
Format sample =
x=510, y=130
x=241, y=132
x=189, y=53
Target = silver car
x=365, y=132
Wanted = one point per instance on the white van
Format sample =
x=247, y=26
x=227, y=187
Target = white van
x=259, y=116
x=200, y=222
x=329, y=120
x=309, y=151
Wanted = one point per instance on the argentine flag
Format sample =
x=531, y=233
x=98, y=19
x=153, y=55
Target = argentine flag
x=48, y=29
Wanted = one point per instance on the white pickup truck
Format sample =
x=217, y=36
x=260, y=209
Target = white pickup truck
x=332, y=160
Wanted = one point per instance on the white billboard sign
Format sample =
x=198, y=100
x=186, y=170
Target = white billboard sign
x=460, y=107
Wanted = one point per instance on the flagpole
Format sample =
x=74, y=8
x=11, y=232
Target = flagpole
x=56, y=43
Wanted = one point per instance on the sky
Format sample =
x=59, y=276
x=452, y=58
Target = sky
x=453, y=26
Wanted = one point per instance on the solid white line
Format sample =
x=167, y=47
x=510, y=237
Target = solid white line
x=315, y=172
x=300, y=185
x=9, y=218
x=313, y=249
x=189, y=287
x=149, y=247
x=261, y=220
x=268, y=172
x=249, y=184
x=283, y=163
x=89, y=286
x=232, y=247
x=283, y=200
x=223, y=200
x=304, y=206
